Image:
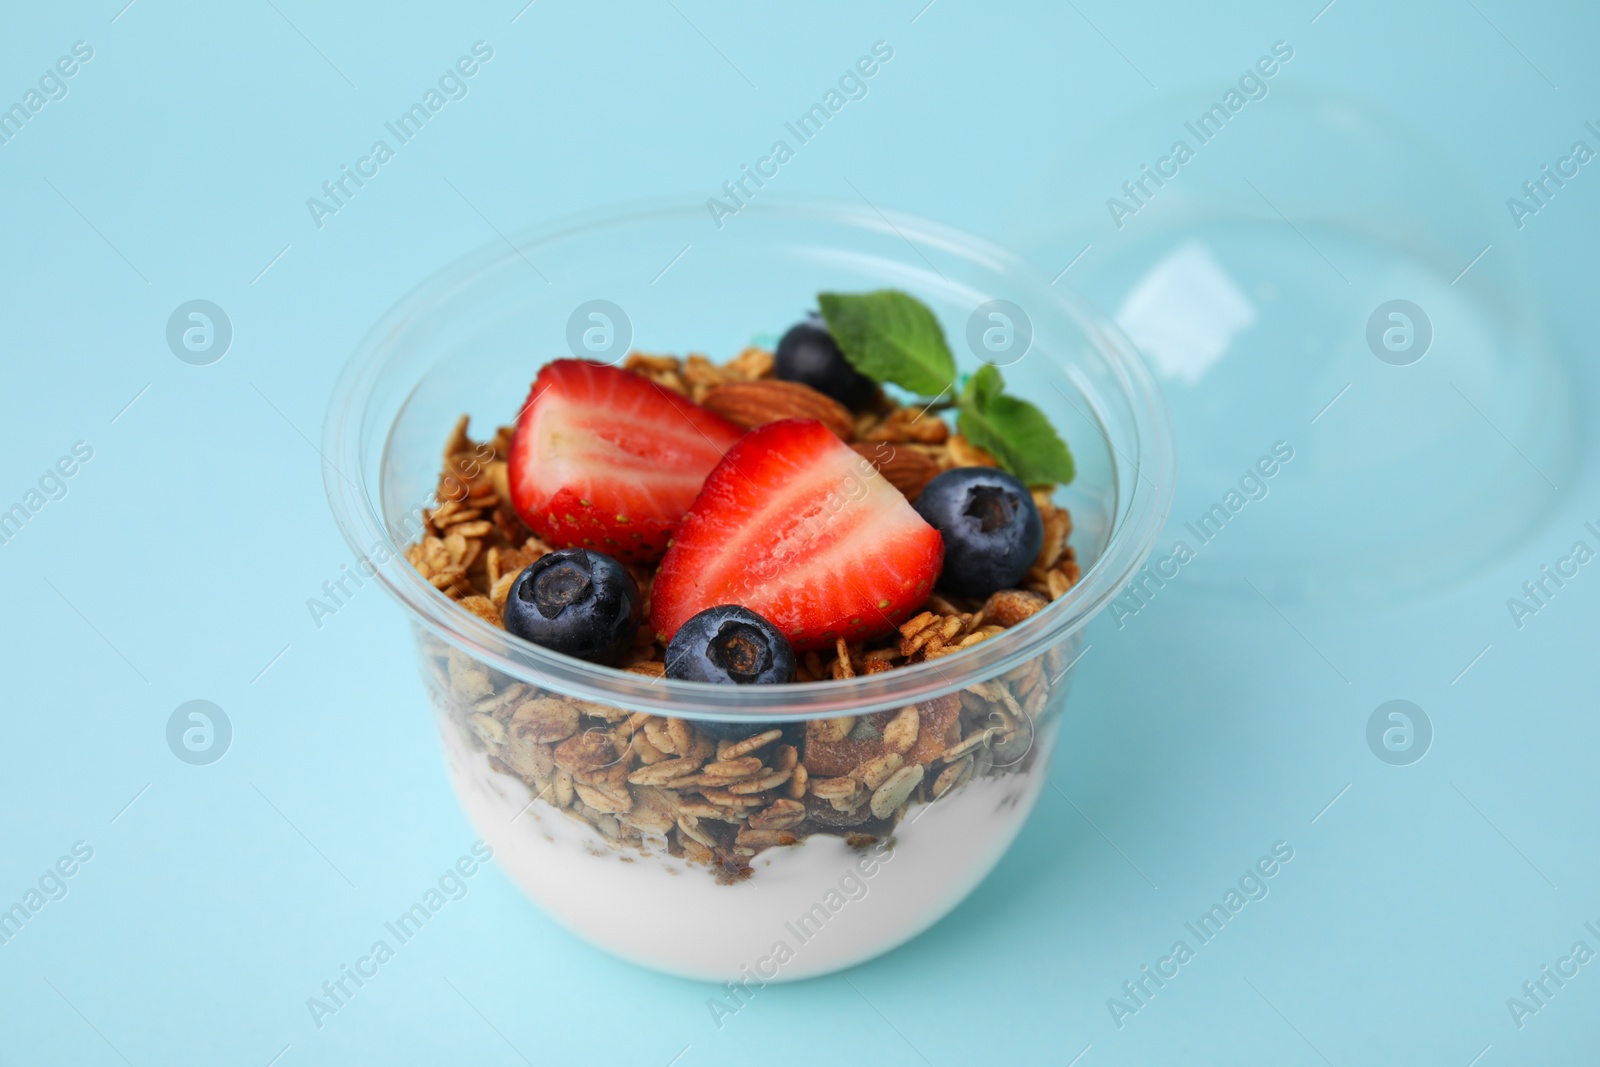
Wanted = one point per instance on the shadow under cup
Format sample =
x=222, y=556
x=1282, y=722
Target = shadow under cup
x=763, y=854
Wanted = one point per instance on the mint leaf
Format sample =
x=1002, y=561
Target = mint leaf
x=1013, y=431
x=891, y=337
x=983, y=387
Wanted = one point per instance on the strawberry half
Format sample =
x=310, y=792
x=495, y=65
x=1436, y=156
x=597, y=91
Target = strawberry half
x=797, y=527
x=605, y=458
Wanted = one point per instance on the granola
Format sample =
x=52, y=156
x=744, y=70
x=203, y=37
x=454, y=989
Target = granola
x=662, y=784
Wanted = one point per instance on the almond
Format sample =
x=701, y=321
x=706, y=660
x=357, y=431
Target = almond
x=752, y=404
x=907, y=469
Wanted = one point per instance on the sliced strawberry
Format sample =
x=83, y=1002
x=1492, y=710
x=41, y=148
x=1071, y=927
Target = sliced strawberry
x=797, y=527
x=605, y=458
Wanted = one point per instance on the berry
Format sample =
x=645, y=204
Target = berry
x=991, y=527
x=577, y=601
x=730, y=645
x=798, y=528
x=732, y=731
x=808, y=354
x=605, y=458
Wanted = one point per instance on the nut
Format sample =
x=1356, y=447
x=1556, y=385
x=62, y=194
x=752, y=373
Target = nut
x=905, y=468
x=752, y=404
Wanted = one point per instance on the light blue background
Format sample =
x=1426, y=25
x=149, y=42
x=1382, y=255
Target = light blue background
x=179, y=563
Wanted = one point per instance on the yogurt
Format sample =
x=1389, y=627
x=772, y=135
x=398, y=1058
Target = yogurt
x=808, y=909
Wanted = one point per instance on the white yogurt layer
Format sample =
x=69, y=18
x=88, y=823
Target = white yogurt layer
x=806, y=909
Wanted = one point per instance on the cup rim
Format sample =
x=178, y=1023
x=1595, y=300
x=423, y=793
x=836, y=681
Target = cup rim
x=1142, y=486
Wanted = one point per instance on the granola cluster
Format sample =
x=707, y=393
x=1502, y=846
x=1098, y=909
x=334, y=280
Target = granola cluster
x=659, y=784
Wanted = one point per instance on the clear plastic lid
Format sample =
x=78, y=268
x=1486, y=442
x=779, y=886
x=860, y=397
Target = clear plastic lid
x=1364, y=402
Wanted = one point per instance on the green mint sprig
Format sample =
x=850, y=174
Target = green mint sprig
x=894, y=338
x=890, y=337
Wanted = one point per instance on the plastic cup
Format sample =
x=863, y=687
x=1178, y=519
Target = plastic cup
x=770, y=906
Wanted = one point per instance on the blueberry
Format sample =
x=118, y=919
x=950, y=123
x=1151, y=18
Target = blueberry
x=577, y=601
x=732, y=731
x=809, y=355
x=730, y=645
x=991, y=527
